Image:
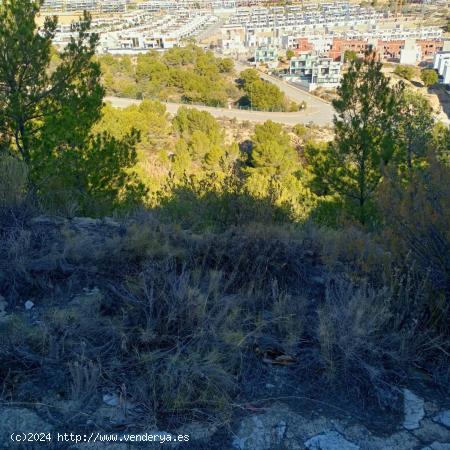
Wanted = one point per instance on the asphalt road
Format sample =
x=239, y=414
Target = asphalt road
x=294, y=93
x=319, y=115
x=318, y=111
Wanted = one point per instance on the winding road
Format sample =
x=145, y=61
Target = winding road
x=310, y=115
x=318, y=111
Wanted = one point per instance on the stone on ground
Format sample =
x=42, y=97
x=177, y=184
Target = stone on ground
x=330, y=441
x=413, y=409
x=443, y=418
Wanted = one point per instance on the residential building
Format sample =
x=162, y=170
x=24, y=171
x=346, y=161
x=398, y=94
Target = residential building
x=313, y=71
x=103, y=6
x=267, y=56
x=441, y=63
x=410, y=53
x=415, y=52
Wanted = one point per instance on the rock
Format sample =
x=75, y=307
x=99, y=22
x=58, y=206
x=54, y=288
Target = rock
x=330, y=441
x=29, y=305
x=440, y=446
x=414, y=411
x=431, y=408
x=19, y=420
x=443, y=418
x=403, y=440
x=278, y=427
x=260, y=433
x=432, y=431
x=437, y=446
x=361, y=436
x=111, y=399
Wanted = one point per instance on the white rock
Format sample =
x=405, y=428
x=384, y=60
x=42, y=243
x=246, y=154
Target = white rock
x=443, y=418
x=437, y=446
x=330, y=441
x=29, y=305
x=262, y=434
x=414, y=411
x=111, y=399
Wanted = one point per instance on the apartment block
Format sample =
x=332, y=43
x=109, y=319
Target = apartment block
x=405, y=51
x=102, y=6
x=267, y=56
x=441, y=63
x=313, y=71
x=410, y=53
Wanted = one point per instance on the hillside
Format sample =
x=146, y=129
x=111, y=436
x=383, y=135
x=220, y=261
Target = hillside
x=132, y=326
x=216, y=284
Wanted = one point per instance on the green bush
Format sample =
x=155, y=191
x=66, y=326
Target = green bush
x=429, y=77
x=187, y=74
x=406, y=72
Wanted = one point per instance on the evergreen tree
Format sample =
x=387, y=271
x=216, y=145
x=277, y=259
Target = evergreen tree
x=366, y=127
x=260, y=94
x=272, y=154
x=415, y=128
x=47, y=111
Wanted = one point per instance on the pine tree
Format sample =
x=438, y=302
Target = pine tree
x=47, y=111
x=366, y=129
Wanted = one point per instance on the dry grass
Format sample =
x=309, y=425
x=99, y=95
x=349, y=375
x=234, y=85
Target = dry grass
x=175, y=323
x=13, y=181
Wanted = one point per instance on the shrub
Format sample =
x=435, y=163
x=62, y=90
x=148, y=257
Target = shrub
x=417, y=219
x=406, y=72
x=180, y=325
x=366, y=341
x=429, y=77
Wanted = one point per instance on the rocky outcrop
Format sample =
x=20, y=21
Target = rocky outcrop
x=281, y=427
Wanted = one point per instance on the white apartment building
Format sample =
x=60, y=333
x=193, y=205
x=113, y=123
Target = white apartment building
x=283, y=26
x=441, y=63
x=232, y=41
x=104, y=6
x=160, y=33
x=313, y=71
x=139, y=31
x=411, y=53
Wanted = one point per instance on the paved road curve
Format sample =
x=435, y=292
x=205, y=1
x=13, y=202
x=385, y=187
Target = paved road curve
x=294, y=93
x=319, y=115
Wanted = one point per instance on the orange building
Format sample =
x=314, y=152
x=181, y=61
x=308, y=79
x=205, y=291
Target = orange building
x=339, y=46
x=303, y=46
x=430, y=47
x=388, y=50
